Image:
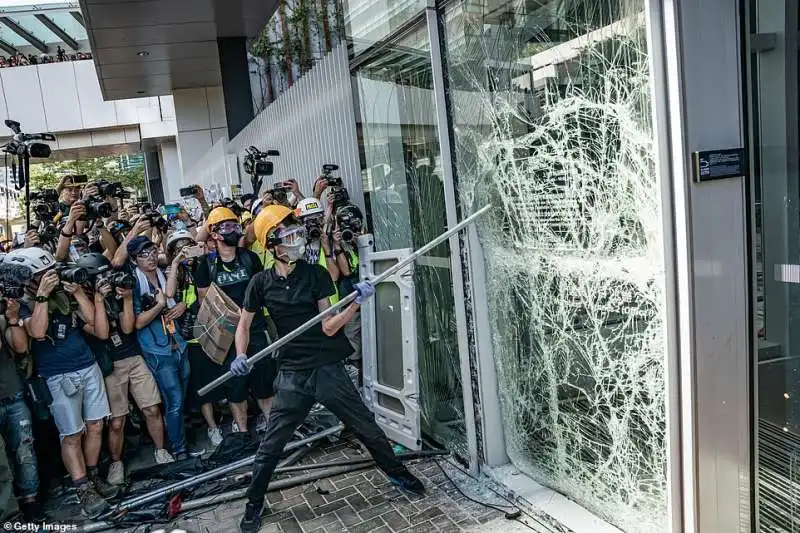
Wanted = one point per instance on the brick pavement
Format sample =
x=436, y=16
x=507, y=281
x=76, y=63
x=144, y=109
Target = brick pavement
x=356, y=502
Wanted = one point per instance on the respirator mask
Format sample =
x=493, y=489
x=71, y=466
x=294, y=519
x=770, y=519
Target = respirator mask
x=293, y=241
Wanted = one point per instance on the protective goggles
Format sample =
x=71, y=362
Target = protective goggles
x=290, y=235
x=229, y=226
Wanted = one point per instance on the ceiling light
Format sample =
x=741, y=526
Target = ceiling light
x=143, y=53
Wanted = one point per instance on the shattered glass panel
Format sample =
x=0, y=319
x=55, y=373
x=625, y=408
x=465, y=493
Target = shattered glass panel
x=551, y=108
x=404, y=193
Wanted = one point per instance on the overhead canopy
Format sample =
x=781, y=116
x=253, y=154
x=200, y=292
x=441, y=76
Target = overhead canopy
x=152, y=47
x=40, y=27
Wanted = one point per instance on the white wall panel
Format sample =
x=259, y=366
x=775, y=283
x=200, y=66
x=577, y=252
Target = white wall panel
x=24, y=97
x=192, y=145
x=94, y=111
x=59, y=93
x=73, y=140
x=216, y=107
x=191, y=109
x=108, y=137
x=310, y=124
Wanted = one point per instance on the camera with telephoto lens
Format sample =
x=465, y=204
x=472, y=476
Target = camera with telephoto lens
x=156, y=220
x=72, y=273
x=47, y=207
x=13, y=278
x=118, y=279
x=114, y=190
x=96, y=208
x=48, y=233
x=350, y=222
x=327, y=173
x=148, y=302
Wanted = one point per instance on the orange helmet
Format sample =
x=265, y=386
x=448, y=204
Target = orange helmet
x=268, y=219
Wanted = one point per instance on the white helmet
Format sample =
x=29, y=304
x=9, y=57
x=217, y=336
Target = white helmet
x=309, y=206
x=36, y=259
x=177, y=236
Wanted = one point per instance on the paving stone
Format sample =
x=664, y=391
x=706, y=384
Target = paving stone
x=321, y=522
x=443, y=523
x=288, y=503
x=223, y=512
x=303, y=512
x=332, y=506
x=294, y=491
x=382, y=529
x=375, y=510
x=350, y=481
x=271, y=518
x=290, y=526
x=358, y=502
x=314, y=499
x=366, y=527
x=338, y=494
x=348, y=516
x=427, y=514
x=395, y=520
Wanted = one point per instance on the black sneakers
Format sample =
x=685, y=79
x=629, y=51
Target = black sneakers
x=92, y=503
x=407, y=481
x=32, y=512
x=251, y=521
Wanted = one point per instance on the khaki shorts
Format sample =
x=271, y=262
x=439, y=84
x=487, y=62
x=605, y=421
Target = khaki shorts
x=131, y=374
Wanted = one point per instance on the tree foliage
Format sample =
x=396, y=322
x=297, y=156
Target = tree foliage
x=46, y=175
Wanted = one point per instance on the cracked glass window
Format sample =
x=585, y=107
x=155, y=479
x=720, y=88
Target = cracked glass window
x=404, y=194
x=550, y=102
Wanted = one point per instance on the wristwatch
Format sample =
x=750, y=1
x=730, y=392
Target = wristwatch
x=42, y=299
x=18, y=323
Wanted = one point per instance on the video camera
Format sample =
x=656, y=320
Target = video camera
x=257, y=165
x=13, y=279
x=327, y=173
x=46, y=207
x=21, y=145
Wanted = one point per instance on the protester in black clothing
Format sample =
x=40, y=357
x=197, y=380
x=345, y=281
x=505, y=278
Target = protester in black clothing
x=311, y=367
x=231, y=270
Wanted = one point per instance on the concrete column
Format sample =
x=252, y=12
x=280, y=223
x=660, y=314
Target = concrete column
x=236, y=90
x=170, y=165
x=152, y=171
x=200, y=121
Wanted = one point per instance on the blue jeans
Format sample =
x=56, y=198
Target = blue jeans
x=17, y=431
x=172, y=375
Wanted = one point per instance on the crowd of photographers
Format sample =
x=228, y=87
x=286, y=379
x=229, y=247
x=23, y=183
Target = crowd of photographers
x=98, y=309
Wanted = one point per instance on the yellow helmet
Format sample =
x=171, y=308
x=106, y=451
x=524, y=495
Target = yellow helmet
x=219, y=214
x=268, y=219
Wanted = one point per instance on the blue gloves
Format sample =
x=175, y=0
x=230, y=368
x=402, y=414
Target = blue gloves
x=365, y=290
x=239, y=366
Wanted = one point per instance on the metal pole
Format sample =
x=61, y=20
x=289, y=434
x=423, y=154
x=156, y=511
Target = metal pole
x=212, y=474
x=237, y=494
x=347, y=300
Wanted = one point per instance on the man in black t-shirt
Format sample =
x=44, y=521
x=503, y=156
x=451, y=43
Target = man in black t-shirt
x=311, y=367
x=231, y=270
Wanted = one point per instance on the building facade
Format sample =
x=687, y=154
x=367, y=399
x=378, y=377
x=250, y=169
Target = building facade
x=613, y=341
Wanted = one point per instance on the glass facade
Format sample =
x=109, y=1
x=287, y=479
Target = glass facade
x=551, y=111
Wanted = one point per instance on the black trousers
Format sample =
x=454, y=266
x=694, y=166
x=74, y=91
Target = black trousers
x=295, y=394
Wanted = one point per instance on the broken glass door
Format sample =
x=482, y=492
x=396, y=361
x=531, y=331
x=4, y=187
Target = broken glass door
x=406, y=209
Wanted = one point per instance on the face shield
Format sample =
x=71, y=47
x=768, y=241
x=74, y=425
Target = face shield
x=292, y=245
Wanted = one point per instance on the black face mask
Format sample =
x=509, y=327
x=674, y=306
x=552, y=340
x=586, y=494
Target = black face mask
x=232, y=238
